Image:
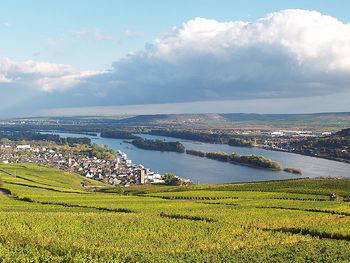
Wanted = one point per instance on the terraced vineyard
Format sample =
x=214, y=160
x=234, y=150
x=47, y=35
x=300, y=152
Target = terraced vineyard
x=50, y=215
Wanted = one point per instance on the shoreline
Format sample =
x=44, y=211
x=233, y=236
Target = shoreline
x=239, y=163
x=309, y=155
x=198, y=142
x=261, y=147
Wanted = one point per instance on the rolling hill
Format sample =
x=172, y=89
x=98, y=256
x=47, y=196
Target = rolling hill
x=335, y=146
x=333, y=121
x=48, y=215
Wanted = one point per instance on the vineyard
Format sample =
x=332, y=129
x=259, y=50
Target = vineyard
x=48, y=215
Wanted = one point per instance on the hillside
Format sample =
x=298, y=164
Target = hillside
x=171, y=119
x=318, y=121
x=343, y=133
x=336, y=146
x=47, y=215
x=245, y=120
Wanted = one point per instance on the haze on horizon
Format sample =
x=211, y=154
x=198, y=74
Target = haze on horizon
x=115, y=57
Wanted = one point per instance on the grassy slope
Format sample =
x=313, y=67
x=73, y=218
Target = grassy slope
x=33, y=175
x=51, y=216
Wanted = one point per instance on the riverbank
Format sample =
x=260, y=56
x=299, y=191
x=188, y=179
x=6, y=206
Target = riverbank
x=158, y=145
x=203, y=141
x=232, y=141
x=207, y=171
x=254, y=161
x=305, y=154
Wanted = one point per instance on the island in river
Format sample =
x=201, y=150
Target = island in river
x=158, y=145
x=208, y=171
x=234, y=158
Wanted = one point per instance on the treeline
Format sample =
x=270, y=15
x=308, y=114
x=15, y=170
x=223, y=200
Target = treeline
x=102, y=152
x=292, y=170
x=250, y=160
x=158, y=145
x=336, y=146
x=192, y=135
x=172, y=179
x=89, y=128
x=117, y=134
x=205, y=137
x=35, y=136
x=241, y=142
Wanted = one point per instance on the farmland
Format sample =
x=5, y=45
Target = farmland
x=47, y=214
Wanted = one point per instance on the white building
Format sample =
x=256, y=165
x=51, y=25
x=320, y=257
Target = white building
x=88, y=175
x=23, y=147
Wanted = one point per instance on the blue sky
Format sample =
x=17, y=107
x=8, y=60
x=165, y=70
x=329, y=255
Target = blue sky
x=44, y=30
x=270, y=56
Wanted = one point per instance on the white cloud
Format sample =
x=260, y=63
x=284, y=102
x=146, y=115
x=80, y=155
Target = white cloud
x=287, y=54
x=92, y=33
x=41, y=75
x=133, y=34
x=4, y=79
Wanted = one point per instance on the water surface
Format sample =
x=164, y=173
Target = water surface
x=202, y=170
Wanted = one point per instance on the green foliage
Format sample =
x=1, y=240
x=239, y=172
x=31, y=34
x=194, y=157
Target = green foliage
x=171, y=179
x=336, y=146
x=321, y=187
x=117, y=134
x=48, y=216
x=191, y=135
x=292, y=170
x=102, y=152
x=24, y=136
x=158, y=145
x=197, y=153
x=250, y=160
x=241, y=142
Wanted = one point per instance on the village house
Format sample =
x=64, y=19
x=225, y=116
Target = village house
x=120, y=171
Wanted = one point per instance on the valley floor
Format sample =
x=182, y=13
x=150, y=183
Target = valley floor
x=47, y=215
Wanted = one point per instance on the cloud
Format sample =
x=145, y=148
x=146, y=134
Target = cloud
x=133, y=34
x=42, y=76
x=93, y=33
x=286, y=54
x=36, y=53
x=291, y=53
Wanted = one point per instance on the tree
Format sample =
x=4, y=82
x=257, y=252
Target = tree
x=170, y=179
x=5, y=141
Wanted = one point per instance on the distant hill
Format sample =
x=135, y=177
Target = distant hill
x=171, y=119
x=343, y=133
x=336, y=146
x=315, y=120
x=324, y=121
x=333, y=121
x=281, y=117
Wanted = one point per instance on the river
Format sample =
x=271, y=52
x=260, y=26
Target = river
x=206, y=171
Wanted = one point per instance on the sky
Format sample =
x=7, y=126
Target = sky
x=162, y=56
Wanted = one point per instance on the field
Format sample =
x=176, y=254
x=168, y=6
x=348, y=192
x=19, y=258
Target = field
x=47, y=215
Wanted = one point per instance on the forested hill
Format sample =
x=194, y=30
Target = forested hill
x=317, y=121
x=343, y=133
x=336, y=146
x=331, y=121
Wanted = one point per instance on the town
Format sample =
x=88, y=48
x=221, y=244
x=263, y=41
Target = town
x=115, y=171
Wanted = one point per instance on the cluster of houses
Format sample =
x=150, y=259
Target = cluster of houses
x=120, y=171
